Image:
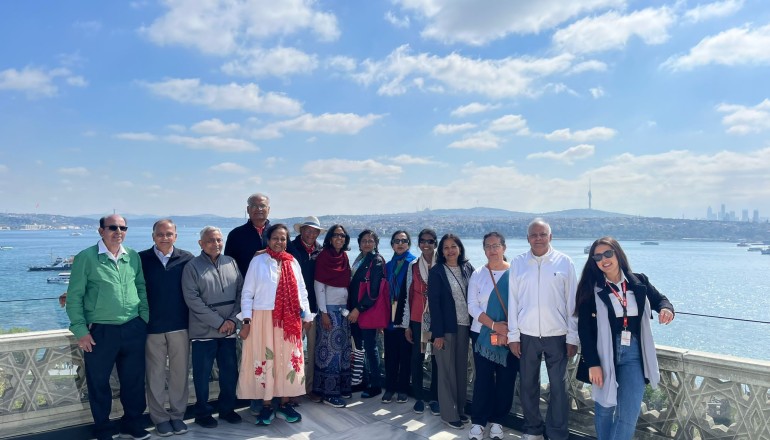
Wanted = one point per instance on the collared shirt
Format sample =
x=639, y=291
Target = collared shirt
x=163, y=258
x=631, y=306
x=103, y=250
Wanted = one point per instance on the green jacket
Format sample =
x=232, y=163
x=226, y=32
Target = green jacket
x=102, y=292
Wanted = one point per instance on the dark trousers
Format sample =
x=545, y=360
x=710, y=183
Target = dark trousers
x=203, y=355
x=372, y=372
x=554, y=349
x=418, y=388
x=493, y=388
x=120, y=346
x=398, y=353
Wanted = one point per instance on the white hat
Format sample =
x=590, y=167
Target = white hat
x=309, y=221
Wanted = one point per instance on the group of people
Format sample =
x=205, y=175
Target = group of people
x=146, y=312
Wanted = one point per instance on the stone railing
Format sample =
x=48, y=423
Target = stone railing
x=702, y=395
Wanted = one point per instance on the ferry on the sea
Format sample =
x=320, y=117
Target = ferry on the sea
x=58, y=264
x=62, y=278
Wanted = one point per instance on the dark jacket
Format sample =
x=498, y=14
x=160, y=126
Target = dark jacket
x=168, y=311
x=443, y=314
x=243, y=242
x=307, y=263
x=375, y=277
x=587, y=327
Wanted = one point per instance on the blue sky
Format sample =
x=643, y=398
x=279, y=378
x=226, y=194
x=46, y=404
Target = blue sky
x=339, y=107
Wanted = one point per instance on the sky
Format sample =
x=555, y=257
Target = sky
x=384, y=106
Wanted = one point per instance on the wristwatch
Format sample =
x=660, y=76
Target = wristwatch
x=246, y=321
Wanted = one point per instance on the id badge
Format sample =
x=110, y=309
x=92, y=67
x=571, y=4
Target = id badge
x=625, y=338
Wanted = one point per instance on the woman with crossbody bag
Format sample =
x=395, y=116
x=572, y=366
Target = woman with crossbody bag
x=496, y=366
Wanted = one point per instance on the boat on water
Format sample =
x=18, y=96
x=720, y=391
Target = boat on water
x=765, y=251
x=58, y=264
x=649, y=243
x=743, y=243
x=61, y=278
x=6, y=248
x=754, y=249
x=76, y=234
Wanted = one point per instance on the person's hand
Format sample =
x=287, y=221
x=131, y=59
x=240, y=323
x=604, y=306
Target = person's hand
x=438, y=343
x=501, y=328
x=245, y=330
x=665, y=316
x=596, y=376
x=306, y=326
x=63, y=299
x=86, y=343
x=326, y=321
x=408, y=335
x=353, y=316
x=515, y=348
x=571, y=350
x=227, y=327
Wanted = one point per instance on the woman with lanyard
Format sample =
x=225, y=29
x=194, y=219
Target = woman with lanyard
x=332, y=375
x=397, y=348
x=417, y=322
x=613, y=307
x=496, y=366
x=449, y=324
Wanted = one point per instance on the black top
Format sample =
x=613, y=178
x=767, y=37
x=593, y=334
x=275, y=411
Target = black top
x=168, y=310
x=375, y=277
x=307, y=263
x=443, y=314
x=243, y=242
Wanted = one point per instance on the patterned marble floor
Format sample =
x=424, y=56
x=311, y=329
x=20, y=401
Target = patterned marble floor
x=367, y=419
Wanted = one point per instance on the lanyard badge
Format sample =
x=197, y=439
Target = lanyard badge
x=625, y=335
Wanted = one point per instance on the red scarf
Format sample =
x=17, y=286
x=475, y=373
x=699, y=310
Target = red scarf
x=332, y=268
x=287, y=308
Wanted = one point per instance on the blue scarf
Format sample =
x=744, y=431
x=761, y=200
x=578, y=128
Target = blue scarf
x=396, y=278
x=495, y=353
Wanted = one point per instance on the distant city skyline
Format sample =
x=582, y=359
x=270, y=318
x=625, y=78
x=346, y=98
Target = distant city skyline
x=158, y=107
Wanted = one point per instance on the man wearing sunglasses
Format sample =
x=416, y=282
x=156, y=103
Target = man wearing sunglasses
x=108, y=312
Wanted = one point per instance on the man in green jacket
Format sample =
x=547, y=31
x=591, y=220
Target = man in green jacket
x=107, y=307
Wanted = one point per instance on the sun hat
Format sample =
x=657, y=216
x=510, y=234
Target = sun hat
x=309, y=221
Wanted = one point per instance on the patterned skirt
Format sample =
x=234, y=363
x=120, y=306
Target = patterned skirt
x=332, y=374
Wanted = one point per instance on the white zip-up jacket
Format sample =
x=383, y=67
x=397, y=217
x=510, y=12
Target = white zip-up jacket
x=541, y=297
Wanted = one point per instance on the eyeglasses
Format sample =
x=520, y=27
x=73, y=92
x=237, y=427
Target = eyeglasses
x=338, y=235
x=400, y=241
x=540, y=235
x=493, y=246
x=367, y=241
x=609, y=253
x=166, y=235
x=114, y=228
x=427, y=241
x=259, y=207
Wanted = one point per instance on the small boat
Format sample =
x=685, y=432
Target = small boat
x=765, y=251
x=62, y=278
x=754, y=249
x=649, y=243
x=742, y=244
x=76, y=234
x=58, y=264
x=6, y=248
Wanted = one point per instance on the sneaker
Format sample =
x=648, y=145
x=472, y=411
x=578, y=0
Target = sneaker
x=464, y=419
x=164, y=429
x=532, y=437
x=178, y=426
x=288, y=413
x=435, y=409
x=135, y=433
x=476, y=432
x=456, y=424
x=206, y=422
x=387, y=397
x=496, y=432
x=346, y=395
x=419, y=406
x=314, y=397
x=231, y=417
x=335, y=401
x=266, y=415
x=402, y=398
x=371, y=392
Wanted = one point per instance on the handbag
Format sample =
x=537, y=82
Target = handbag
x=378, y=315
x=495, y=338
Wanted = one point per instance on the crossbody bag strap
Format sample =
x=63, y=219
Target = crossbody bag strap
x=497, y=291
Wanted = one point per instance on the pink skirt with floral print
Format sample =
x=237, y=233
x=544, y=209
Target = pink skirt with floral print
x=270, y=366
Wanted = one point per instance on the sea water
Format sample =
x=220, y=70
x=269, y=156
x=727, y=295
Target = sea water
x=707, y=278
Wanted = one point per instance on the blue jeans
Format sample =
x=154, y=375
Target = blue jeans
x=619, y=422
x=203, y=355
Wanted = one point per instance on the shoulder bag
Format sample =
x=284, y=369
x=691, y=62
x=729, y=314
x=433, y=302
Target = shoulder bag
x=378, y=315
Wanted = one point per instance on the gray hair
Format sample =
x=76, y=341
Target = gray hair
x=161, y=221
x=207, y=229
x=256, y=196
x=538, y=221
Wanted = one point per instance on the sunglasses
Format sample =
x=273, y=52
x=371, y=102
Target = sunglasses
x=114, y=228
x=400, y=241
x=609, y=253
x=428, y=241
x=338, y=235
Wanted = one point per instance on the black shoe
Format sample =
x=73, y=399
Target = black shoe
x=134, y=433
x=402, y=398
x=419, y=406
x=456, y=424
x=464, y=419
x=371, y=392
x=435, y=409
x=178, y=426
x=231, y=417
x=346, y=395
x=206, y=422
x=387, y=397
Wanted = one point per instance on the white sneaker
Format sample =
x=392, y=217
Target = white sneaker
x=496, y=431
x=476, y=432
x=532, y=437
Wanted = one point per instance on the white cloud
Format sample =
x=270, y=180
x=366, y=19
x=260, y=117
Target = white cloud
x=481, y=141
x=589, y=66
x=596, y=92
x=342, y=63
x=515, y=123
x=272, y=161
x=568, y=156
x=220, y=27
x=717, y=9
x=229, y=168
x=745, y=120
x=130, y=136
x=592, y=134
x=495, y=78
x=733, y=47
x=230, y=145
x=333, y=123
x=179, y=128
x=124, y=184
x=399, y=22
x=214, y=126
x=75, y=171
x=246, y=97
x=613, y=30
x=406, y=159
x=279, y=61
x=342, y=166
x=477, y=23
x=452, y=128
x=473, y=108
x=36, y=82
